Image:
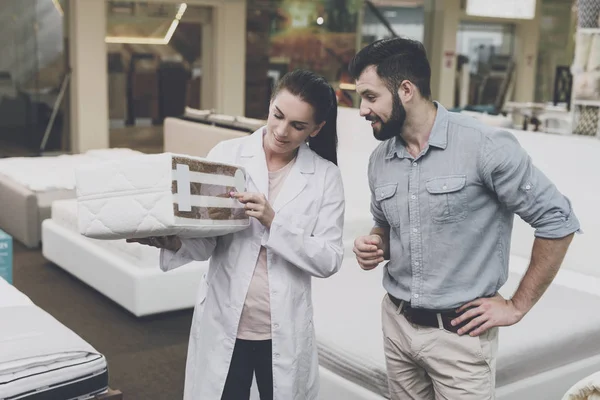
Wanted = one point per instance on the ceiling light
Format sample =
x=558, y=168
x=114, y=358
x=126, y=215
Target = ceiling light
x=148, y=40
x=58, y=7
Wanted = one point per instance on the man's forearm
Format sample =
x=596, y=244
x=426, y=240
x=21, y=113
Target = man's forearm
x=546, y=257
x=384, y=233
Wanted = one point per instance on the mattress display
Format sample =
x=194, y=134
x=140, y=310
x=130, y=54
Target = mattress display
x=64, y=213
x=40, y=174
x=159, y=195
x=42, y=359
x=349, y=332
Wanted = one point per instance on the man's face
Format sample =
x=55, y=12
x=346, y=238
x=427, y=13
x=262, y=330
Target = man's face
x=378, y=105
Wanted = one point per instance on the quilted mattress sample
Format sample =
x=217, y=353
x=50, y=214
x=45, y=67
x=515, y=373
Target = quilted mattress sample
x=159, y=195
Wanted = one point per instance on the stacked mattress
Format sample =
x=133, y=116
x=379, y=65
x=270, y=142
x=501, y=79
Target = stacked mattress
x=159, y=195
x=42, y=359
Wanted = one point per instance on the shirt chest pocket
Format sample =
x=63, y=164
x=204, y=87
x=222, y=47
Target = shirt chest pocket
x=386, y=196
x=447, y=198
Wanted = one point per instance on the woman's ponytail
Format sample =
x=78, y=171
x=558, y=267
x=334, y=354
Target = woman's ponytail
x=325, y=143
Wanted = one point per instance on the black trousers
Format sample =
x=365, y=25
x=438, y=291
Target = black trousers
x=250, y=357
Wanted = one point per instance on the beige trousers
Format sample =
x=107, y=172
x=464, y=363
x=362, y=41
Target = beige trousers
x=426, y=363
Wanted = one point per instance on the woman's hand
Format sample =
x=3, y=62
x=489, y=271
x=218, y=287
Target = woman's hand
x=256, y=206
x=172, y=243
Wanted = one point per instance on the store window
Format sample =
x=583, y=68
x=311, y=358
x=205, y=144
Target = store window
x=154, y=53
x=33, y=78
x=285, y=35
x=319, y=35
x=387, y=19
x=486, y=62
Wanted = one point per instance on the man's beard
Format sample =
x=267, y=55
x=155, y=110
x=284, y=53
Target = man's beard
x=393, y=127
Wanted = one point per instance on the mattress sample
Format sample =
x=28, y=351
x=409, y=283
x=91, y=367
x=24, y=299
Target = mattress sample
x=349, y=332
x=64, y=213
x=42, y=359
x=159, y=195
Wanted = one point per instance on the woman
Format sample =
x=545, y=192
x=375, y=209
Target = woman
x=254, y=310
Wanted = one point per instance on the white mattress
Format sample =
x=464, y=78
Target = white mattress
x=64, y=212
x=577, y=178
x=41, y=174
x=159, y=195
x=142, y=291
x=39, y=355
x=563, y=327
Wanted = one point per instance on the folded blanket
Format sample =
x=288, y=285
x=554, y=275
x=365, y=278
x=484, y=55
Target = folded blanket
x=586, y=389
x=159, y=195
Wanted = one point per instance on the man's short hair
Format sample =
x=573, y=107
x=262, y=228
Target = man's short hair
x=396, y=59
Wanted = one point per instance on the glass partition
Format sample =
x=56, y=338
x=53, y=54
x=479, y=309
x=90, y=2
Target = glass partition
x=32, y=74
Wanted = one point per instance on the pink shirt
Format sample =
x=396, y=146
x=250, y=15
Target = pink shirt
x=255, y=321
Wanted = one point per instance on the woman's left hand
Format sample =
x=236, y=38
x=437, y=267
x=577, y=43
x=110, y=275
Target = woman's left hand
x=256, y=206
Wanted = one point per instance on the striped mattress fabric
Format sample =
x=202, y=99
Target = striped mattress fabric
x=159, y=195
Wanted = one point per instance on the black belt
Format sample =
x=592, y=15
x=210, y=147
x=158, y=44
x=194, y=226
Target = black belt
x=424, y=317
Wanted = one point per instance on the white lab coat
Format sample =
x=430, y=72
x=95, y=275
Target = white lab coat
x=305, y=240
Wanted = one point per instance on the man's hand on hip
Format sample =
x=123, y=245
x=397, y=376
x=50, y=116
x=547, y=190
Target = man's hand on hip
x=486, y=313
x=369, y=251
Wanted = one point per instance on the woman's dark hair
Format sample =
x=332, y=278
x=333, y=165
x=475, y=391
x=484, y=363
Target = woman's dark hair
x=316, y=91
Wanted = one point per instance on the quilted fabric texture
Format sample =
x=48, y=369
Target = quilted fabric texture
x=134, y=198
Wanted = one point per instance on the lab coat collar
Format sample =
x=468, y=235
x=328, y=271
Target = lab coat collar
x=253, y=156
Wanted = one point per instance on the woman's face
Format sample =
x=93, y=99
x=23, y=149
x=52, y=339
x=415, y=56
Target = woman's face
x=290, y=123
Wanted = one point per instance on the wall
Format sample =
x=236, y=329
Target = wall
x=89, y=84
x=441, y=25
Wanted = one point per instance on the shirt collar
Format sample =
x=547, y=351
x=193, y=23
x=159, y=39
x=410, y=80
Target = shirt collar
x=438, y=137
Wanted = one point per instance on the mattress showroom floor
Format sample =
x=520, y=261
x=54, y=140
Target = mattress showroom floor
x=146, y=356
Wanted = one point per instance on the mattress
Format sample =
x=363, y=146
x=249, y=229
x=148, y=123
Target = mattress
x=544, y=150
x=42, y=174
x=159, y=195
x=64, y=213
x=349, y=333
x=42, y=359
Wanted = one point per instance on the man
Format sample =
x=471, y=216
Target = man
x=444, y=191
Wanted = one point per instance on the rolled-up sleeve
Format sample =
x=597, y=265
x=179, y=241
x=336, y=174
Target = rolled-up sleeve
x=508, y=171
x=378, y=216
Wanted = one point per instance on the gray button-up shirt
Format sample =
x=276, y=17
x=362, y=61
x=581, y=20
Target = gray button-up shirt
x=450, y=210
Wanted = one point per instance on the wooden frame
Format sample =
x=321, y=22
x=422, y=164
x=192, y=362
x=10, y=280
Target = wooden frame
x=110, y=395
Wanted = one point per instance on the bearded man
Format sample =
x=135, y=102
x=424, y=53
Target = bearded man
x=444, y=192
